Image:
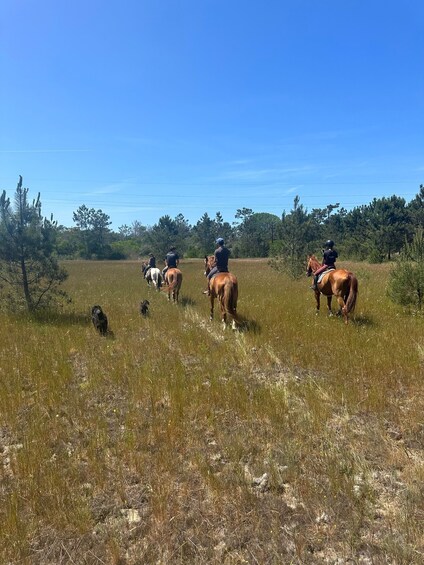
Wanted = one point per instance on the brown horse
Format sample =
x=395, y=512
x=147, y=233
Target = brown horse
x=337, y=282
x=223, y=286
x=175, y=278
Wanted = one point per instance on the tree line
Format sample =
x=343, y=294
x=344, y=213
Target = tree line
x=375, y=232
x=31, y=246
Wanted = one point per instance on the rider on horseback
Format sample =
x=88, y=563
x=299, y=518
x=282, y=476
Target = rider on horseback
x=329, y=260
x=150, y=265
x=221, y=255
x=171, y=260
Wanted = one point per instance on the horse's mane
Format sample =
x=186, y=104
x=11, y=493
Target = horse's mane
x=313, y=259
x=210, y=260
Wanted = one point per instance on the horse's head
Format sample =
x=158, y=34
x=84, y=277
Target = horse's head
x=209, y=264
x=312, y=265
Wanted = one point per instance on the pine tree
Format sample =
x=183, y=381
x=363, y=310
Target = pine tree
x=29, y=271
x=406, y=283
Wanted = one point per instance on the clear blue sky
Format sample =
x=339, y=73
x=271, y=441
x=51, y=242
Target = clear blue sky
x=145, y=108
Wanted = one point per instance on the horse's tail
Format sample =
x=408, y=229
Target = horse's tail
x=353, y=293
x=176, y=280
x=172, y=281
x=231, y=297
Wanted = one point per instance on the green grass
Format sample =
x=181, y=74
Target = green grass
x=174, y=418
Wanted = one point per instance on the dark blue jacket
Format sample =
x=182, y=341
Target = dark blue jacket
x=221, y=256
x=171, y=259
x=330, y=256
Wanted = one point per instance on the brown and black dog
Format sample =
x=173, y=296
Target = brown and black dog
x=99, y=319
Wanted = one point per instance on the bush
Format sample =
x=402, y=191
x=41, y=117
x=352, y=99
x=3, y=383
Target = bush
x=406, y=283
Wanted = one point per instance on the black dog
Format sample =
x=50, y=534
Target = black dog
x=99, y=319
x=144, y=307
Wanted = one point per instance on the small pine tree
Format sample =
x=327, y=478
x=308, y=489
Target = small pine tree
x=406, y=283
x=29, y=271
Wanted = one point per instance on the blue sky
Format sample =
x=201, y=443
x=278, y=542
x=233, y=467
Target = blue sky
x=189, y=106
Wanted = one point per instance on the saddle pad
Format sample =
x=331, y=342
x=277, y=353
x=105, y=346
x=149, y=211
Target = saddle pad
x=320, y=277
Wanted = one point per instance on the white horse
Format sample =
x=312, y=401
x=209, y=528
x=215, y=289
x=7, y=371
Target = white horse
x=155, y=276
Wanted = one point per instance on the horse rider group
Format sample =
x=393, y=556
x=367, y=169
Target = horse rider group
x=222, y=254
x=172, y=260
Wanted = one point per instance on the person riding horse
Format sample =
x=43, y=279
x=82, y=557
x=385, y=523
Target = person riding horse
x=329, y=261
x=221, y=255
x=151, y=264
x=172, y=260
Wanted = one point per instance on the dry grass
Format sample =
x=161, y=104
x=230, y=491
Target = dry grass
x=296, y=440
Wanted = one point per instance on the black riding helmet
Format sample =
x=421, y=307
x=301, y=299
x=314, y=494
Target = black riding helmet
x=329, y=244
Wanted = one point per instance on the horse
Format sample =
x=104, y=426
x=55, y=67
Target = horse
x=175, y=279
x=340, y=283
x=223, y=286
x=155, y=276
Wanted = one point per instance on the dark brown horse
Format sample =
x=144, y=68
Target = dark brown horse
x=223, y=286
x=337, y=282
x=175, y=278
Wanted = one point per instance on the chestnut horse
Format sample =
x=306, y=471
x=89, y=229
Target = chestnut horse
x=223, y=286
x=337, y=282
x=175, y=278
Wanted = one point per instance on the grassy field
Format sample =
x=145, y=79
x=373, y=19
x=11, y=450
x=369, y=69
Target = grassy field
x=295, y=440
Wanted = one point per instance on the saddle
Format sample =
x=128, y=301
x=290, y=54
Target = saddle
x=218, y=273
x=321, y=275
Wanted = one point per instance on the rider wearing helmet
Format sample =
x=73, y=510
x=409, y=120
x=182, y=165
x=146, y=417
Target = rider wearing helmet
x=221, y=255
x=150, y=265
x=329, y=259
x=172, y=260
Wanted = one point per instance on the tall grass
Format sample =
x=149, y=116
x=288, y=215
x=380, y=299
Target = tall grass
x=297, y=439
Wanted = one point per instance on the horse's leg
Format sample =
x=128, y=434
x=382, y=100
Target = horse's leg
x=223, y=316
x=330, y=312
x=342, y=305
x=318, y=299
x=212, y=299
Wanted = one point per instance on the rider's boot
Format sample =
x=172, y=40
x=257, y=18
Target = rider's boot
x=315, y=283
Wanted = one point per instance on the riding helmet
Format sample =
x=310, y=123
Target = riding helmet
x=329, y=244
x=220, y=241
